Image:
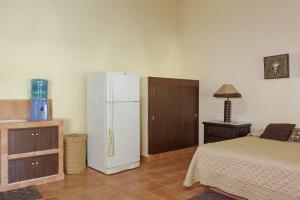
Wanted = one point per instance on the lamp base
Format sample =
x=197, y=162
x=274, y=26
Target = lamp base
x=227, y=111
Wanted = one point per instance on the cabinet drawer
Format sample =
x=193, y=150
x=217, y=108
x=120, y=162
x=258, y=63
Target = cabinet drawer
x=210, y=139
x=223, y=132
x=33, y=139
x=243, y=131
x=32, y=167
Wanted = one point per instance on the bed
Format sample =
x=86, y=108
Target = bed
x=249, y=167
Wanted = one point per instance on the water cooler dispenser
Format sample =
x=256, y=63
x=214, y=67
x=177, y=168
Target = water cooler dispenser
x=39, y=100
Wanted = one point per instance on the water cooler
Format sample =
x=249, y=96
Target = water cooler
x=39, y=100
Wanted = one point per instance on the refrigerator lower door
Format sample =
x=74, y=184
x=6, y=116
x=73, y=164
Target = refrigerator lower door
x=125, y=128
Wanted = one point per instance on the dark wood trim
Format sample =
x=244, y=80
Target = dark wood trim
x=173, y=82
x=227, y=124
x=197, y=125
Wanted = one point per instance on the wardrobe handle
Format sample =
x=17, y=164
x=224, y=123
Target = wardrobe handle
x=195, y=115
x=153, y=117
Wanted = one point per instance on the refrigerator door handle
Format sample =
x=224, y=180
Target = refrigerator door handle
x=112, y=92
x=111, y=142
x=111, y=139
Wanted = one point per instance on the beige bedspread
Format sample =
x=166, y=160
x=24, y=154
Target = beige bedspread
x=249, y=167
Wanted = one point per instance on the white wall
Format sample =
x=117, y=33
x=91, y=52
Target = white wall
x=63, y=40
x=220, y=41
x=225, y=42
x=144, y=116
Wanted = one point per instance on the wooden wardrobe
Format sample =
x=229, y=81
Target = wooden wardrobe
x=173, y=106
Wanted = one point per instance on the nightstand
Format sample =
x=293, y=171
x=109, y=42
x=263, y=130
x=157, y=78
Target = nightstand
x=219, y=131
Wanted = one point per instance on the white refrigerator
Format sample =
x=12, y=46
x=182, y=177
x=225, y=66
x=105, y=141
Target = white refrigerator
x=113, y=121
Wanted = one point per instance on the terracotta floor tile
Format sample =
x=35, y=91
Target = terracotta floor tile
x=51, y=198
x=158, y=179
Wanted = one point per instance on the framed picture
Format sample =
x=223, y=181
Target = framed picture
x=277, y=66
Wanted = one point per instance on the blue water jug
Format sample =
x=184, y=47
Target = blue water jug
x=39, y=89
x=39, y=100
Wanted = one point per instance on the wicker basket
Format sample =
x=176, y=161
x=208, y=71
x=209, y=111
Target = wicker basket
x=75, y=153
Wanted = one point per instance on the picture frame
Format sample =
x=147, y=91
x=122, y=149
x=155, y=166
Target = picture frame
x=276, y=66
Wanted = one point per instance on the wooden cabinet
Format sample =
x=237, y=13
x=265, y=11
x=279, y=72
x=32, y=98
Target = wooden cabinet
x=32, y=139
x=31, y=153
x=172, y=114
x=219, y=131
x=32, y=167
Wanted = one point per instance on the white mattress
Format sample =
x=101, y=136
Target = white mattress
x=249, y=167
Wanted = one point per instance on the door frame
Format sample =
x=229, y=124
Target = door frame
x=172, y=82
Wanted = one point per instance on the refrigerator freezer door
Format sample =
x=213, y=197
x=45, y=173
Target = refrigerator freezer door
x=126, y=133
x=123, y=87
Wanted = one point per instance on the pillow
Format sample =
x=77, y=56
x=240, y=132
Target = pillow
x=280, y=132
x=295, y=136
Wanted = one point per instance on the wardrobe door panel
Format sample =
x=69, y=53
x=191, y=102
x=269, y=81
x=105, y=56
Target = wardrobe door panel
x=152, y=126
x=172, y=114
x=190, y=113
x=164, y=129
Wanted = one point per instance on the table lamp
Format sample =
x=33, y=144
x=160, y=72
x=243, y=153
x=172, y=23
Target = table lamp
x=227, y=91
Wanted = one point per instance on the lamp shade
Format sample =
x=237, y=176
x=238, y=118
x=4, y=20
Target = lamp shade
x=227, y=91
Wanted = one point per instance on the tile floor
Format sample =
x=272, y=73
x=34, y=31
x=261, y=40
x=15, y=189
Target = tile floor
x=158, y=179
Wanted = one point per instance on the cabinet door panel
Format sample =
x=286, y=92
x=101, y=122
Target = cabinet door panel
x=14, y=171
x=46, y=165
x=20, y=169
x=20, y=141
x=46, y=138
x=27, y=168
